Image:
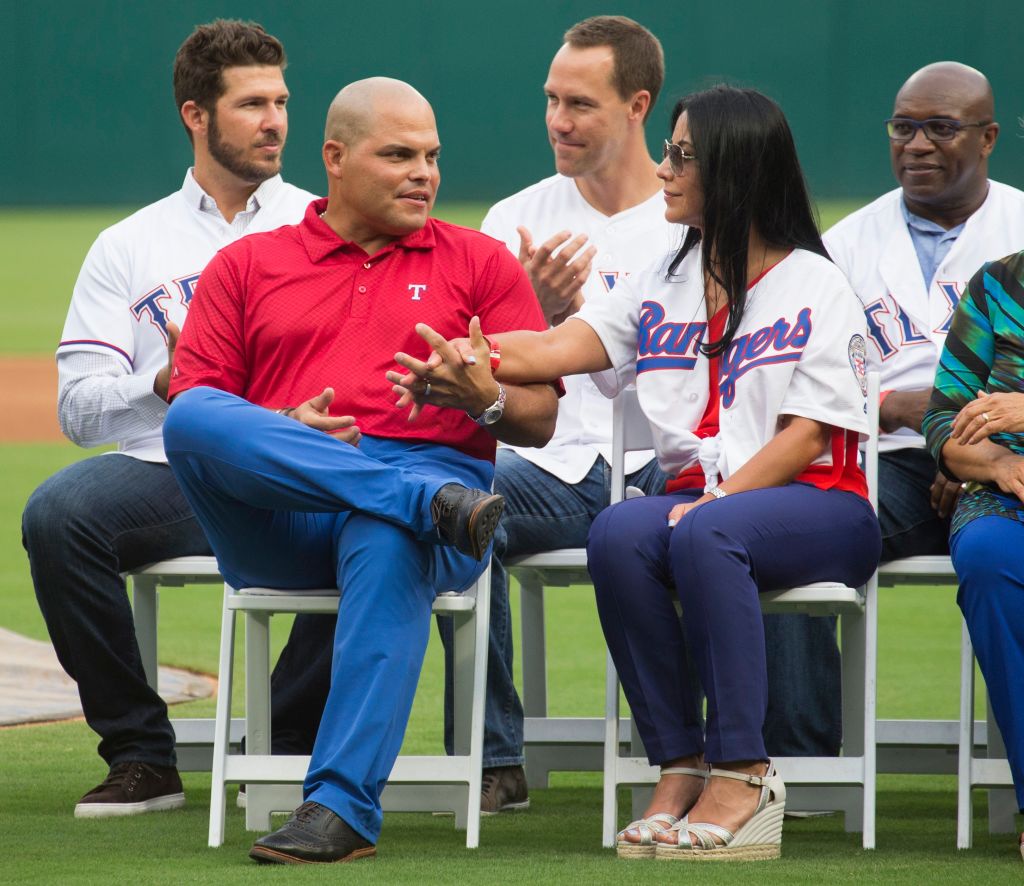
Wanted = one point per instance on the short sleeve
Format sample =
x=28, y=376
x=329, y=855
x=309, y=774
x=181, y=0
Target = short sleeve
x=829, y=383
x=211, y=350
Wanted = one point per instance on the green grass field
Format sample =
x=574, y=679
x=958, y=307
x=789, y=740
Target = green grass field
x=45, y=769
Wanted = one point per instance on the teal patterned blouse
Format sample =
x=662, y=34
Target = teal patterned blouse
x=984, y=352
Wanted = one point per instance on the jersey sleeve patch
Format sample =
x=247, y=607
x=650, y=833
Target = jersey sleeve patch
x=857, y=351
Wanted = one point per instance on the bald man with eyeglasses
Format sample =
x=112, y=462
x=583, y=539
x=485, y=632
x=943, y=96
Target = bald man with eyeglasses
x=908, y=256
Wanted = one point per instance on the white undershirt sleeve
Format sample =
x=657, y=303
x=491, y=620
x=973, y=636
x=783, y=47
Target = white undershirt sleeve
x=99, y=401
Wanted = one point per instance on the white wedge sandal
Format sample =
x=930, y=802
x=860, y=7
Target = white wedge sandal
x=655, y=824
x=760, y=838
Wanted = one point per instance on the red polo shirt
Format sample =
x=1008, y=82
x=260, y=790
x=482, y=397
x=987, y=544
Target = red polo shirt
x=279, y=316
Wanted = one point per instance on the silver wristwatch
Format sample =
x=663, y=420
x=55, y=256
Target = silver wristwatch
x=493, y=412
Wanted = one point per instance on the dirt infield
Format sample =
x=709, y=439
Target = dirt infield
x=28, y=400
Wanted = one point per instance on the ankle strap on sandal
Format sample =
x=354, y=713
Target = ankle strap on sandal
x=759, y=780
x=685, y=770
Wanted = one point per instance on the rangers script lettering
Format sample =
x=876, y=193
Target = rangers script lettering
x=662, y=345
x=745, y=351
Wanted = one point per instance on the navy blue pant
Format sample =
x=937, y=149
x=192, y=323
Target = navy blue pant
x=286, y=506
x=986, y=555
x=714, y=563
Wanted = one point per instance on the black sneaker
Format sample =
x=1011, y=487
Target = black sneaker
x=131, y=789
x=503, y=790
x=313, y=835
x=466, y=518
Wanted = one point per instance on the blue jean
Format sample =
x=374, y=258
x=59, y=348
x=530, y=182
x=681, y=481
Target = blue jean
x=82, y=528
x=286, y=506
x=102, y=516
x=541, y=513
x=910, y=525
x=991, y=596
x=715, y=562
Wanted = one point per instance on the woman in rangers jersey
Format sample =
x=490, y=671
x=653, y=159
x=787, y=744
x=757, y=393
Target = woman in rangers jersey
x=748, y=353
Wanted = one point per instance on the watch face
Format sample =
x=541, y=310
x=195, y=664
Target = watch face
x=491, y=415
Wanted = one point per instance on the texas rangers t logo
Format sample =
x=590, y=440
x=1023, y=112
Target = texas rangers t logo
x=416, y=289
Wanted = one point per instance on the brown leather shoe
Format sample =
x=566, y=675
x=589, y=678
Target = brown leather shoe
x=466, y=518
x=131, y=789
x=313, y=835
x=503, y=790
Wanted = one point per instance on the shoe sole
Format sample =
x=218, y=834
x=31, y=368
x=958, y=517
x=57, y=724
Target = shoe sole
x=482, y=523
x=508, y=807
x=634, y=851
x=723, y=853
x=265, y=855
x=114, y=810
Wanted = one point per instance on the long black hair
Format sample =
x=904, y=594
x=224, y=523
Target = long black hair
x=751, y=179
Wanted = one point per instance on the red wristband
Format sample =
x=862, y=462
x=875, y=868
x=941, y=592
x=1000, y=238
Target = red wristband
x=495, y=350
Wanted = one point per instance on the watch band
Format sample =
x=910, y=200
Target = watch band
x=493, y=412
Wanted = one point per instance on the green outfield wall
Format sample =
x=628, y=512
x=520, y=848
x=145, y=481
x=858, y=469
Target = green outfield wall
x=90, y=117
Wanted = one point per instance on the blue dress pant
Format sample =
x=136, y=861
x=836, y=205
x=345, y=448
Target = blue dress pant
x=714, y=563
x=986, y=555
x=289, y=507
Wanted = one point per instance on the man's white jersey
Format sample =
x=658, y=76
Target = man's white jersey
x=626, y=243
x=907, y=323
x=799, y=351
x=141, y=273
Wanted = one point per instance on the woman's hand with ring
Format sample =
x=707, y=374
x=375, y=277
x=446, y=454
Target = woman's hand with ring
x=989, y=414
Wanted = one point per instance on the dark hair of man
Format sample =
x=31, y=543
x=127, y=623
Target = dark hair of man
x=751, y=179
x=209, y=49
x=639, y=60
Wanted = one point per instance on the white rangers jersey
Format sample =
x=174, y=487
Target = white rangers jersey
x=141, y=273
x=907, y=323
x=626, y=243
x=799, y=351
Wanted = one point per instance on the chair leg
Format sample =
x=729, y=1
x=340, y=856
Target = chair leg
x=870, y=750
x=964, y=816
x=145, y=605
x=1002, y=805
x=610, y=815
x=222, y=724
x=539, y=760
x=477, y=680
x=257, y=710
x=855, y=805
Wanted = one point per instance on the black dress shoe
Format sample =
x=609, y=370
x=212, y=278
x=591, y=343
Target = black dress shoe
x=313, y=835
x=466, y=517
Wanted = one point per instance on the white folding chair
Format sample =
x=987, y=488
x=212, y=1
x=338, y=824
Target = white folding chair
x=831, y=778
x=417, y=783
x=193, y=736
x=553, y=744
x=991, y=771
x=947, y=746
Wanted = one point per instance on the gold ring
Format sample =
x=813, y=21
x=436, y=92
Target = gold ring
x=984, y=416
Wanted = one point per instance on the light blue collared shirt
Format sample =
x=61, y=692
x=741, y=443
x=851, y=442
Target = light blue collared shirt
x=932, y=242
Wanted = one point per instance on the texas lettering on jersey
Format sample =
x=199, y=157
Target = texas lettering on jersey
x=154, y=306
x=891, y=328
x=664, y=344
